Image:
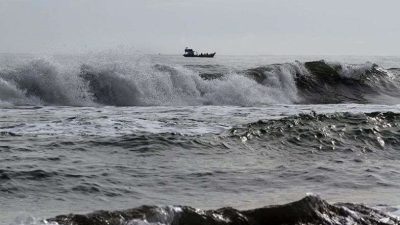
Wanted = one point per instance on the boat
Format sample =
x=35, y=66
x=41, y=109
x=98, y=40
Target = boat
x=190, y=53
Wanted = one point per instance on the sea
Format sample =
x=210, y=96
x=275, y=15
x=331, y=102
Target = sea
x=123, y=138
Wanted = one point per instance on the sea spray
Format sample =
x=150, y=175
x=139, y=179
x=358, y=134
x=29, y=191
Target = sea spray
x=144, y=83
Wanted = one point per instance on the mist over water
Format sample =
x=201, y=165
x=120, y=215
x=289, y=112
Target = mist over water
x=116, y=132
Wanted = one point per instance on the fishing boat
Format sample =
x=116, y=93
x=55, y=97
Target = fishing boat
x=190, y=53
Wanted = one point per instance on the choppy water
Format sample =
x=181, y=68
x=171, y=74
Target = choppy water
x=243, y=132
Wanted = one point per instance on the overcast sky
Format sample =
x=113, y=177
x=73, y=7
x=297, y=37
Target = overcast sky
x=356, y=27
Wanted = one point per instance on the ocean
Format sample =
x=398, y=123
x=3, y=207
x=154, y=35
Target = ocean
x=163, y=139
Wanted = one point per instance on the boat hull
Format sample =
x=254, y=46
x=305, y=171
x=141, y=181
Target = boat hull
x=201, y=56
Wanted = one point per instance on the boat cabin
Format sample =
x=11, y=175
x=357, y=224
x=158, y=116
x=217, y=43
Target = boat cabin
x=190, y=53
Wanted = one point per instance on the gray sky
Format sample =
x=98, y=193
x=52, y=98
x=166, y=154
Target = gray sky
x=359, y=27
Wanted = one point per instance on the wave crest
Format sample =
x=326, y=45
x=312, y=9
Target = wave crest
x=326, y=132
x=44, y=82
x=309, y=210
x=40, y=82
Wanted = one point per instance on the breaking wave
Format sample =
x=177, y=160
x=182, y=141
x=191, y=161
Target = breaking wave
x=309, y=210
x=41, y=82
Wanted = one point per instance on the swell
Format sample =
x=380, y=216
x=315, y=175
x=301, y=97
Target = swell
x=309, y=210
x=340, y=132
x=41, y=82
x=346, y=132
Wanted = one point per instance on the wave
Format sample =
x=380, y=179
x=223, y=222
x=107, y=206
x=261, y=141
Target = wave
x=309, y=210
x=321, y=82
x=347, y=132
x=42, y=82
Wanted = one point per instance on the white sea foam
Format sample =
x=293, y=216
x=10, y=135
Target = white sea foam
x=140, y=82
